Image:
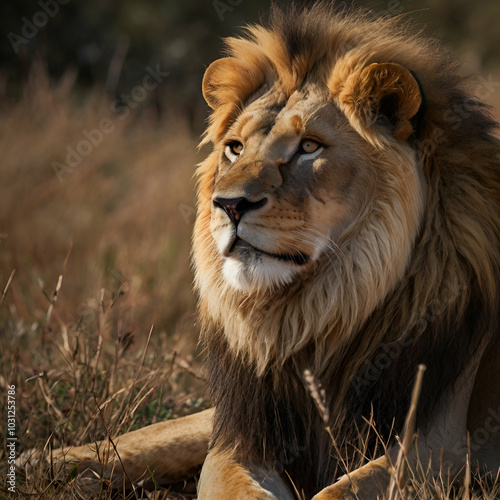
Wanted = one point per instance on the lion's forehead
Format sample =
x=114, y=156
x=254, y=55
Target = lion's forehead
x=272, y=117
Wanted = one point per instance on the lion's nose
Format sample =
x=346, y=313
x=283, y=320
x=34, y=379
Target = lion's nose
x=236, y=207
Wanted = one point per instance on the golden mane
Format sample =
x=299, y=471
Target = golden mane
x=338, y=319
x=459, y=158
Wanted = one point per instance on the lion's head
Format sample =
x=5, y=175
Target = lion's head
x=343, y=182
x=296, y=181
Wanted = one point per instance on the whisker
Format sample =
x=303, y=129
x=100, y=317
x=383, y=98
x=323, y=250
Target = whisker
x=309, y=240
x=333, y=247
x=329, y=239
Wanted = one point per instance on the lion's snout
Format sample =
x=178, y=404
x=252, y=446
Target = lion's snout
x=235, y=208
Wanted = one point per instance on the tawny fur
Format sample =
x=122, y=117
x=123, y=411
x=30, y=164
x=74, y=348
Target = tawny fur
x=417, y=270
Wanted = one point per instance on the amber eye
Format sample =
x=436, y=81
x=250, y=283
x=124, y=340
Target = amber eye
x=236, y=147
x=309, y=146
x=233, y=150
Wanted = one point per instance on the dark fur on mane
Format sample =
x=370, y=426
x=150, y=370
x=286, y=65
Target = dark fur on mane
x=274, y=421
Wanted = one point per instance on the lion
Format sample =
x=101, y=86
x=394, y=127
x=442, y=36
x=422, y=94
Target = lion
x=348, y=227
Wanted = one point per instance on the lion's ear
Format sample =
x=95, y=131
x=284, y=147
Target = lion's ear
x=388, y=91
x=229, y=81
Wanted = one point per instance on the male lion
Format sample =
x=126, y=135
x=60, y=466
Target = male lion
x=349, y=225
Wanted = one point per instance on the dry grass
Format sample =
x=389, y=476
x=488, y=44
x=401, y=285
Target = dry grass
x=408, y=480
x=117, y=230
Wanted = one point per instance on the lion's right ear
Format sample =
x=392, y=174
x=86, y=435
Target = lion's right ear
x=386, y=89
x=230, y=81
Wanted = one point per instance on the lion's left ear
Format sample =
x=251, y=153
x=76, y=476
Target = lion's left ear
x=229, y=81
x=387, y=91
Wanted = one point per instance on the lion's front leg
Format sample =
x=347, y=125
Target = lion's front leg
x=222, y=476
x=170, y=450
x=366, y=483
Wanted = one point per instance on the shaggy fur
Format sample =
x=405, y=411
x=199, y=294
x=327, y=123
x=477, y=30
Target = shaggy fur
x=409, y=284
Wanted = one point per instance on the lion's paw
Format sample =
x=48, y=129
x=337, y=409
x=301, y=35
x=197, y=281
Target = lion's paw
x=369, y=482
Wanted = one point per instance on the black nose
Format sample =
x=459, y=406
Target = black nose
x=236, y=207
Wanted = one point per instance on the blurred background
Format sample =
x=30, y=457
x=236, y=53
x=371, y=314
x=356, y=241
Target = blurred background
x=100, y=116
x=109, y=44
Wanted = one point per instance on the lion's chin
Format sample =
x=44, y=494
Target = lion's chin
x=258, y=272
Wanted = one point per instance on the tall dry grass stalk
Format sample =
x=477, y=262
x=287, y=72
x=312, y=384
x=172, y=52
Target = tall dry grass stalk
x=407, y=482
x=400, y=475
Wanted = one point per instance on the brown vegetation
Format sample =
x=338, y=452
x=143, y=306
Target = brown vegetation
x=118, y=331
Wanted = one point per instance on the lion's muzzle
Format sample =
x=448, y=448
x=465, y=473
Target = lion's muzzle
x=235, y=208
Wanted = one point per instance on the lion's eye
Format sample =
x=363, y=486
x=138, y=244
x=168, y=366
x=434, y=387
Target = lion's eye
x=308, y=146
x=233, y=150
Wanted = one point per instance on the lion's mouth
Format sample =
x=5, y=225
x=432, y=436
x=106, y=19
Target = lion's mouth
x=299, y=259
